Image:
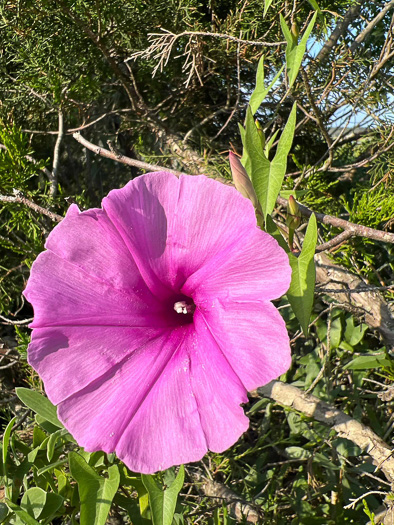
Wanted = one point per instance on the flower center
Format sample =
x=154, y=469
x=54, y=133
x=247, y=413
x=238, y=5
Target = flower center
x=184, y=307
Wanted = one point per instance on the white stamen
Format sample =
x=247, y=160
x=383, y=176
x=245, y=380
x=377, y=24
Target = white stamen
x=181, y=307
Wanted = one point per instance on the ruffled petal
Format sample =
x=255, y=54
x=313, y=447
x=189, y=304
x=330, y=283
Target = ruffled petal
x=143, y=408
x=164, y=405
x=63, y=294
x=258, y=270
x=252, y=337
x=91, y=242
x=174, y=226
x=218, y=390
x=69, y=358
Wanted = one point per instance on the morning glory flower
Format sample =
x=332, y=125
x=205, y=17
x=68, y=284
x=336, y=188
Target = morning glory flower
x=153, y=318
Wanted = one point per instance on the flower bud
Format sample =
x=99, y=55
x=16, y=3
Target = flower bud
x=261, y=133
x=241, y=180
x=293, y=213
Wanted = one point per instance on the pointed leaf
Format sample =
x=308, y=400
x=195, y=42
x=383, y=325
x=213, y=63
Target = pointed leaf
x=33, y=501
x=96, y=493
x=315, y=5
x=294, y=52
x=163, y=500
x=39, y=404
x=267, y=4
x=260, y=91
x=302, y=286
x=23, y=515
x=267, y=177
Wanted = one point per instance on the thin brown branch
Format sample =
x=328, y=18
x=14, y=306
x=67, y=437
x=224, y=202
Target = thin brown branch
x=355, y=229
x=344, y=425
x=39, y=209
x=361, y=37
x=97, y=41
x=56, y=155
x=239, y=508
x=335, y=241
x=121, y=158
x=339, y=31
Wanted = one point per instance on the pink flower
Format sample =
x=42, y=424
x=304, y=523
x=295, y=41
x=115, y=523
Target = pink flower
x=153, y=319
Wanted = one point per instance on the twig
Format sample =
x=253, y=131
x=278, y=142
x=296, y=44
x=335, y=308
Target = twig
x=339, y=31
x=344, y=425
x=335, y=241
x=39, y=209
x=361, y=37
x=120, y=158
x=56, y=155
x=162, y=44
x=10, y=321
x=353, y=502
x=355, y=229
x=355, y=290
x=239, y=508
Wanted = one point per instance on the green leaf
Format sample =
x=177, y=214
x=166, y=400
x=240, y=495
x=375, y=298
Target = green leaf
x=6, y=439
x=53, y=440
x=23, y=515
x=267, y=4
x=267, y=177
x=33, y=501
x=3, y=511
x=272, y=229
x=354, y=334
x=6, y=442
x=315, y=5
x=39, y=404
x=366, y=362
x=163, y=500
x=302, y=286
x=294, y=52
x=96, y=493
x=260, y=91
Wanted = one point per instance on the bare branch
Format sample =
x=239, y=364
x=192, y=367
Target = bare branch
x=335, y=241
x=343, y=286
x=344, y=425
x=56, y=155
x=121, y=158
x=39, y=209
x=355, y=229
x=339, y=31
x=361, y=37
x=162, y=43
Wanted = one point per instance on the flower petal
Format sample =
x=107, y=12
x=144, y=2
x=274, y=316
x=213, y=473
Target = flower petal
x=91, y=242
x=144, y=409
x=252, y=337
x=63, y=294
x=258, y=269
x=174, y=226
x=69, y=358
x=163, y=405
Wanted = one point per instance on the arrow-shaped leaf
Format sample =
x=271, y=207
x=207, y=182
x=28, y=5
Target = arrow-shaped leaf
x=267, y=177
x=260, y=91
x=163, y=500
x=302, y=286
x=39, y=404
x=294, y=52
x=95, y=492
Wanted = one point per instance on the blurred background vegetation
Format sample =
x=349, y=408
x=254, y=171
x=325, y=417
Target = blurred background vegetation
x=168, y=82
